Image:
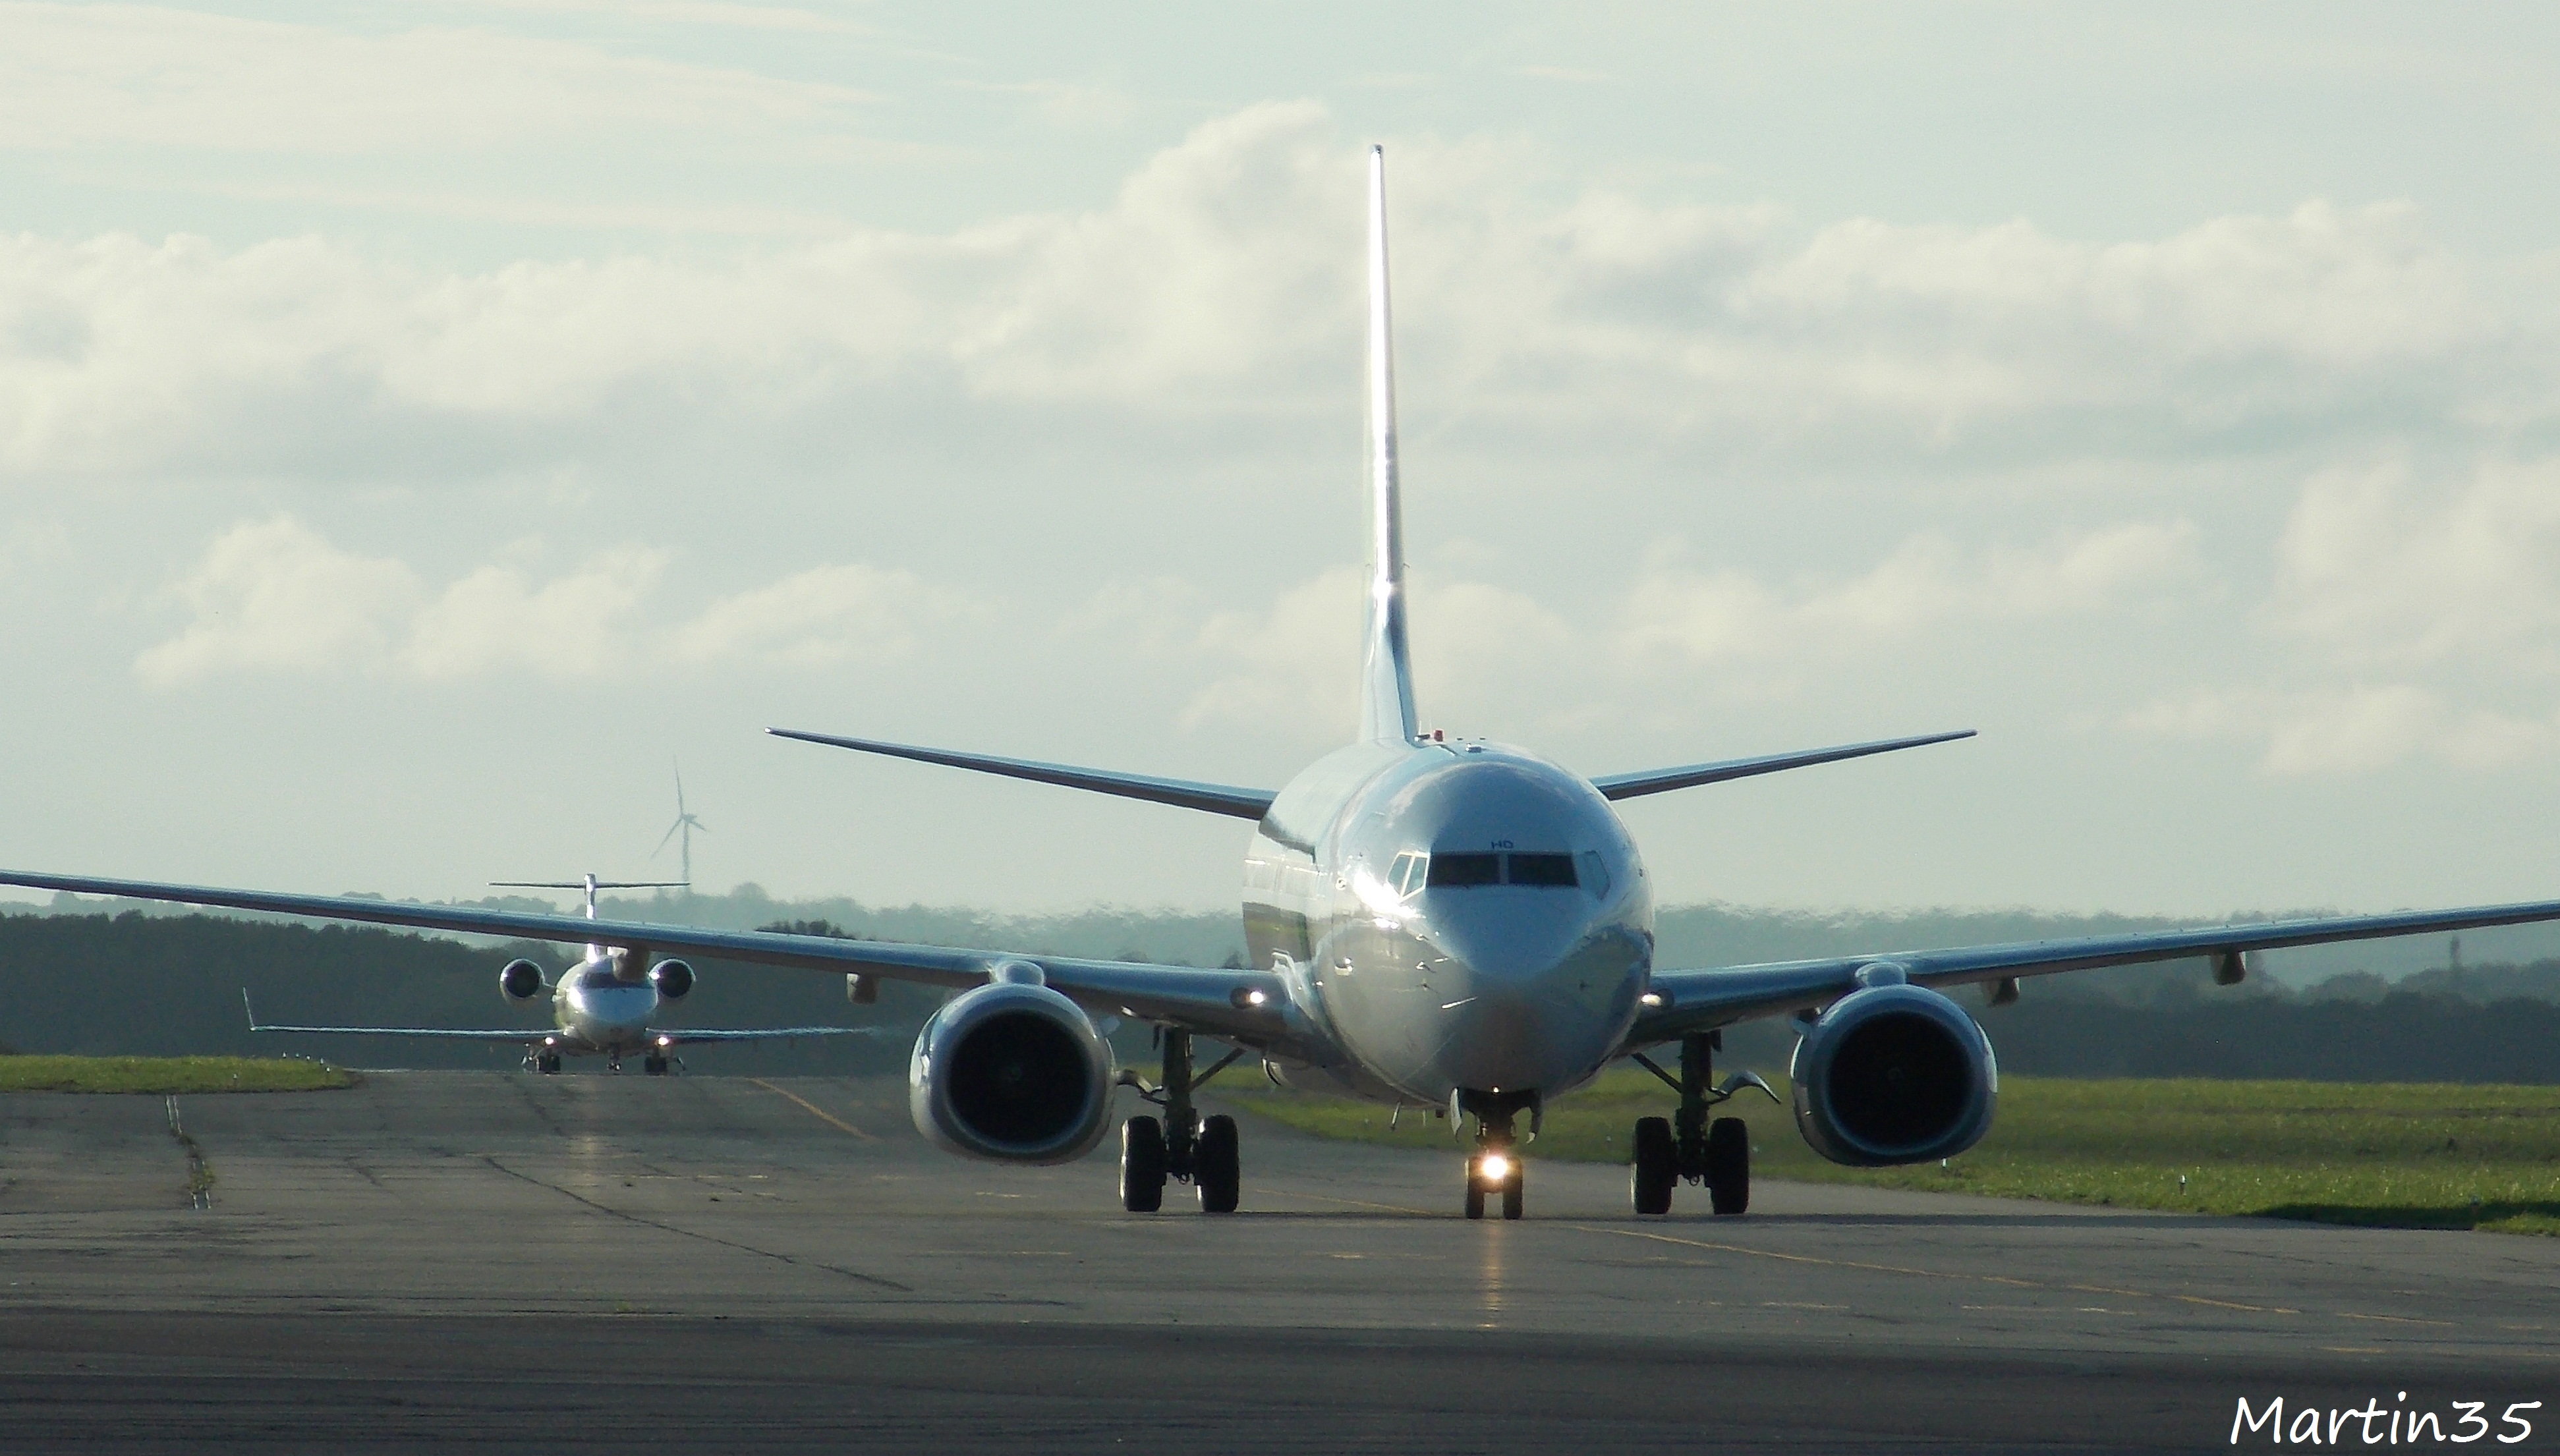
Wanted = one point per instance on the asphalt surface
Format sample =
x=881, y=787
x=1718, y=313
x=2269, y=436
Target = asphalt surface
x=509, y=1263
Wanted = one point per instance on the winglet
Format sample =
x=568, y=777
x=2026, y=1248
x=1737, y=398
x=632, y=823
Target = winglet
x=1386, y=672
x=251, y=1009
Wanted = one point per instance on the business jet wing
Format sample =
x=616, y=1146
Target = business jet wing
x=524, y=1037
x=1245, y=1006
x=1701, y=999
x=667, y=1038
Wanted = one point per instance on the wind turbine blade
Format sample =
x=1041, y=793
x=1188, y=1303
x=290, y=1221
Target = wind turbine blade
x=671, y=834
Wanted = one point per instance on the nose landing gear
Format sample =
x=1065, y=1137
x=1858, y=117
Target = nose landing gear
x=1496, y=1168
x=1202, y=1150
x=1717, y=1153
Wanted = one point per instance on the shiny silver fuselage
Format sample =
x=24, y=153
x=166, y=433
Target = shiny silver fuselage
x=1502, y=988
x=598, y=1013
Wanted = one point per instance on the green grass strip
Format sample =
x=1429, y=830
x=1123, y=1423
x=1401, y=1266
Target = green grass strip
x=2390, y=1155
x=166, y=1075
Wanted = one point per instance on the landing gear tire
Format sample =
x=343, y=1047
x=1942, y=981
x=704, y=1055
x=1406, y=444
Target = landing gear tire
x=655, y=1066
x=548, y=1064
x=1728, y=1166
x=1513, y=1189
x=1656, y=1167
x=1216, y=1172
x=1142, y=1165
x=1475, y=1194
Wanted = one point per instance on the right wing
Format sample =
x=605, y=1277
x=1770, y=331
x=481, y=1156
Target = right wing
x=523, y=1037
x=1243, y=1005
x=1216, y=798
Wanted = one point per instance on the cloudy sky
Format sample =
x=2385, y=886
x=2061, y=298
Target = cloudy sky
x=423, y=425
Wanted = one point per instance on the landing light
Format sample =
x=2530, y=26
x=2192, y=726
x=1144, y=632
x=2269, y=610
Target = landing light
x=1651, y=998
x=1248, y=1000
x=664, y=1041
x=1495, y=1167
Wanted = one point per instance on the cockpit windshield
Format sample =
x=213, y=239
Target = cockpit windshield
x=1467, y=869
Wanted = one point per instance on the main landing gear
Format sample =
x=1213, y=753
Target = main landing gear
x=543, y=1060
x=1690, y=1148
x=1201, y=1151
x=1496, y=1168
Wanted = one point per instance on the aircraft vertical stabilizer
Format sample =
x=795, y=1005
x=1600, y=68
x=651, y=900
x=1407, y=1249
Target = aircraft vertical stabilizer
x=1386, y=672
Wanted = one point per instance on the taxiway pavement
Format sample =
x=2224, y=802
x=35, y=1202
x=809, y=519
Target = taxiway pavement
x=726, y=1262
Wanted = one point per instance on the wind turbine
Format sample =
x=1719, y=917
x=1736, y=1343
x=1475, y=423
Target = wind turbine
x=685, y=825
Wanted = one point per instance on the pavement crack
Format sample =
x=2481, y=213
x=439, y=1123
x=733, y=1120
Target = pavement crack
x=646, y=1222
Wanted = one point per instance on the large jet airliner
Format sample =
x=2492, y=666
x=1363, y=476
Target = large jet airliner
x=1437, y=922
x=595, y=1011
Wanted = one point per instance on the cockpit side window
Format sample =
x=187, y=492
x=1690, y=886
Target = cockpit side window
x=1595, y=873
x=1545, y=871
x=1406, y=876
x=1460, y=869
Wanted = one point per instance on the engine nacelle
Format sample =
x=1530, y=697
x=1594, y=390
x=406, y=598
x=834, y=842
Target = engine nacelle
x=521, y=980
x=673, y=978
x=1893, y=1074
x=1012, y=1071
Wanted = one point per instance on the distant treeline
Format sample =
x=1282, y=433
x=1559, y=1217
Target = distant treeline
x=171, y=985
x=1687, y=935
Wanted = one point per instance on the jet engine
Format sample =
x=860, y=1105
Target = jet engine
x=1893, y=1074
x=673, y=978
x=521, y=980
x=1013, y=1072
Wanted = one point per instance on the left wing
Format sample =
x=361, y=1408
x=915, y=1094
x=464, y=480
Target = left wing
x=1616, y=786
x=1699, y=1001
x=1245, y=1006
x=665, y=1037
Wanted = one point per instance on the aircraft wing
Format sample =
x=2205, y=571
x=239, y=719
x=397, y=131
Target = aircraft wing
x=1245, y=1006
x=1616, y=786
x=524, y=1037
x=1183, y=793
x=669, y=1038
x=1701, y=999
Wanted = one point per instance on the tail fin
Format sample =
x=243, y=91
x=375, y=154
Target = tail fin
x=1386, y=672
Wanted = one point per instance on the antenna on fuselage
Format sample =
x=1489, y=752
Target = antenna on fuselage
x=1386, y=672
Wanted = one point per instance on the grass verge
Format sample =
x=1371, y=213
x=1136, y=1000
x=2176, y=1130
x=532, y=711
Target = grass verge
x=168, y=1075
x=2390, y=1155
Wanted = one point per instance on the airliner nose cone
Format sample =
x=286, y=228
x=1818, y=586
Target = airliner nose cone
x=1532, y=1002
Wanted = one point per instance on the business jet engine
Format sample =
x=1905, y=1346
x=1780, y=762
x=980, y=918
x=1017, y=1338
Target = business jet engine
x=521, y=980
x=673, y=978
x=1893, y=1074
x=1012, y=1071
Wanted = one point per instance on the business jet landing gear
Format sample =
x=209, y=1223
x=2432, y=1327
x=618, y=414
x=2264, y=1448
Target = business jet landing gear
x=1496, y=1167
x=1184, y=1145
x=545, y=1061
x=655, y=1066
x=1689, y=1147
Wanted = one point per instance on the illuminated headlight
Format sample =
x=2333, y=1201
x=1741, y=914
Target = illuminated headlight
x=666, y=1042
x=1651, y=998
x=1496, y=1168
